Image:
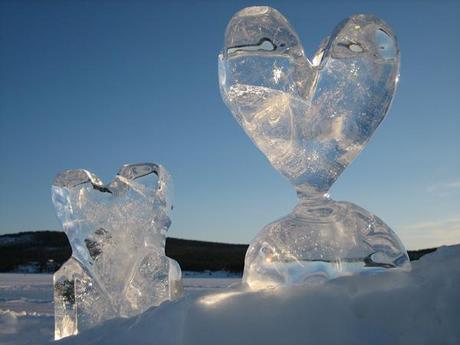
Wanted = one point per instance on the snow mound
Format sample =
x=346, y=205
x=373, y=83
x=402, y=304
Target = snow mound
x=21, y=327
x=420, y=307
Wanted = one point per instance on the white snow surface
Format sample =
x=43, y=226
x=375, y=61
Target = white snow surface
x=420, y=307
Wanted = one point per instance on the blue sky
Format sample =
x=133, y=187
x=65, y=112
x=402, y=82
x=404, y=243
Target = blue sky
x=95, y=85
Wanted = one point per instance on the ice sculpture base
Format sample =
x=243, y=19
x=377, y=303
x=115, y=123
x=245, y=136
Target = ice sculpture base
x=322, y=239
x=80, y=302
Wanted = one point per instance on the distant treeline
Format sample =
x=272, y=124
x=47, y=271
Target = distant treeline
x=46, y=251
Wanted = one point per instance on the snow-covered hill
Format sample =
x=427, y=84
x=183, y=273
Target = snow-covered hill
x=420, y=307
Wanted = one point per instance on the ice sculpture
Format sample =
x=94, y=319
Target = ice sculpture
x=117, y=232
x=311, y=119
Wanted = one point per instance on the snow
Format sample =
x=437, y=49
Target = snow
x=420, y=307
x=27, y=313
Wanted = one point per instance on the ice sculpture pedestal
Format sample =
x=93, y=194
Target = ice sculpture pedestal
x=117, y=233
x=321, y=239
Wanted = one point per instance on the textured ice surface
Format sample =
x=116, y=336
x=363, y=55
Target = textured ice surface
x=311, y=119
x=117, y=232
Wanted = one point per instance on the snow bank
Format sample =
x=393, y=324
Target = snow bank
x=26, y=309
x=421, y=307
x=17, y=328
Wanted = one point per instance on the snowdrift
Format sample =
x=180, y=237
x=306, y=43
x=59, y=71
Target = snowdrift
x=420, y=307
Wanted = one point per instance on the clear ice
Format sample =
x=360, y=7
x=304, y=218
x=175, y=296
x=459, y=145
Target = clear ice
x=117, y=232
x=311, y=119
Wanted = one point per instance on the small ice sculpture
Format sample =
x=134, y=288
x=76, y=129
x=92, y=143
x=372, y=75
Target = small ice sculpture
x=311, y=119
x=117, y=232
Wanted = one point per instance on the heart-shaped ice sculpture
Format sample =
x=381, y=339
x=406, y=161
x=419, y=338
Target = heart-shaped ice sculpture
x=117, y=232
x=311, y=119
